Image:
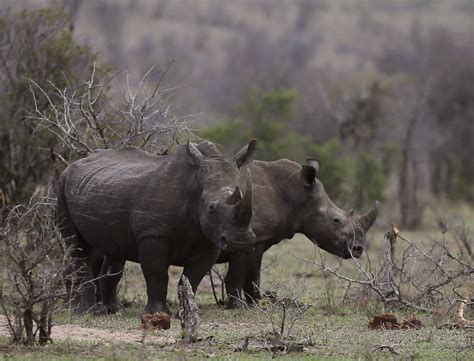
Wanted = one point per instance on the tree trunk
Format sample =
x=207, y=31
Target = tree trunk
x=414, y=185
x=188, y=311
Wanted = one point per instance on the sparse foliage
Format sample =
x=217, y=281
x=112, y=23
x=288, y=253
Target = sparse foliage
x=282, y=307
x=89, y=117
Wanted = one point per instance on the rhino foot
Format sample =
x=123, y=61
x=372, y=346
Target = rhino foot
x=81, y=305
x=235, y=303
x=103, y=309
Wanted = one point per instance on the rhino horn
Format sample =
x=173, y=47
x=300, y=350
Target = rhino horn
x=368, y=219
x=243, y=209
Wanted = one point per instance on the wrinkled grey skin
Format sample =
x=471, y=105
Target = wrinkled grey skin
x=179, y=209
x=289, y=199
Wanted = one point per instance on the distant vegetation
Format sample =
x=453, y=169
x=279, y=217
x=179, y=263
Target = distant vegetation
x=381, y=93
x=268, y=116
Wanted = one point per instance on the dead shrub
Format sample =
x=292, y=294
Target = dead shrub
x=34, y=258
x=409, y=275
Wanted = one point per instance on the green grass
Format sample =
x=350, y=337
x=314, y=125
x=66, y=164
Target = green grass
x=336, y=330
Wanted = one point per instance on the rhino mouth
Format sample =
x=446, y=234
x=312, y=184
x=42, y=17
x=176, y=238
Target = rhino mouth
x=354, y=251
x=237, y=242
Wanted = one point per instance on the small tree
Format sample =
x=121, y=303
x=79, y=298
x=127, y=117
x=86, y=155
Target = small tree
x=38, y=45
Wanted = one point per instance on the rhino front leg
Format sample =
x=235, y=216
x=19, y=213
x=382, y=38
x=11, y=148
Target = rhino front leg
x=199, y=265
x=235, y=278
x=252, y=280
x=154, y=260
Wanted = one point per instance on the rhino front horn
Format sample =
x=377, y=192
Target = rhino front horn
x=235, y=197
x=243, y=209
x=368, y=219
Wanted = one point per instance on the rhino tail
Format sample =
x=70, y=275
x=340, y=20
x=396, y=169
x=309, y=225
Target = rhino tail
x=63, y=217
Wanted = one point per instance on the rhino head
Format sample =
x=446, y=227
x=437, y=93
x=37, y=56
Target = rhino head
x=224, y=211
x=331, y=228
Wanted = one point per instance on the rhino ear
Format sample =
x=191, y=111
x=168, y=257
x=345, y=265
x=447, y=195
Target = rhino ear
x=313, y=163
x=308, y=175
x=194, y=155
x=245, y=155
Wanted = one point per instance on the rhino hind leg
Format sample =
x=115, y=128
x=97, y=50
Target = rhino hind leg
x=110, y=275
x=78, y=274
x=78, y=281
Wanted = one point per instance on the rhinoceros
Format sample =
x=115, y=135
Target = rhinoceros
x=289, y=199
x=178, y=209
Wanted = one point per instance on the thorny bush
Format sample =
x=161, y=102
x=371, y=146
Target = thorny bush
x=34, y=258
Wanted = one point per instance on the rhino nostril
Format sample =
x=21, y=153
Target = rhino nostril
x=223, y=239
x=357, y=249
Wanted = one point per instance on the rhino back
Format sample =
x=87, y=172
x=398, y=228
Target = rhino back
x=117, y=196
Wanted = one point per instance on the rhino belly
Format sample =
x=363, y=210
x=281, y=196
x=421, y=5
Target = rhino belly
x=107, y=231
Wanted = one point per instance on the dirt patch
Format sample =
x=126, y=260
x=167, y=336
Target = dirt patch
x=78, y=333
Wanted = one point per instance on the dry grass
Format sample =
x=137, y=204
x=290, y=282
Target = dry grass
x=329, y=328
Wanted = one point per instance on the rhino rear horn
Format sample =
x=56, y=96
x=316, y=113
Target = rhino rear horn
x=243, y=209
x=316, y=164
x=368, y=219
x=245, y=155
x=195, y=156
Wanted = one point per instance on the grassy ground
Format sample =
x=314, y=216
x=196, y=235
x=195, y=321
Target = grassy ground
x=335, y=330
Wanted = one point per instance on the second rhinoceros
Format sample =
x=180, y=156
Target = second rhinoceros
x=289, y=199
x=179, y=209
